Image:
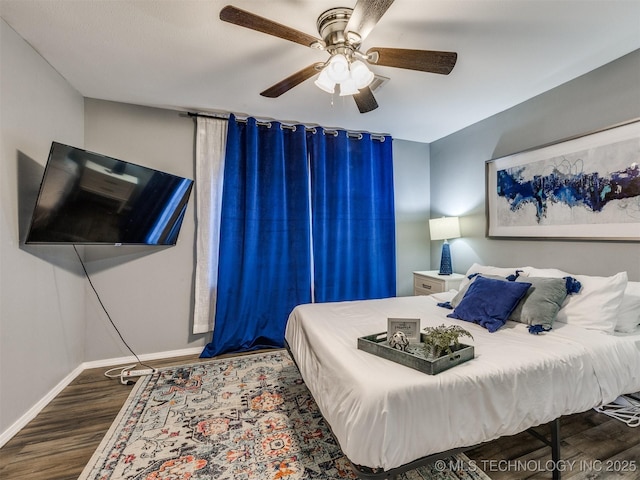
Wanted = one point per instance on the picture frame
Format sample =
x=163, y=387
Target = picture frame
x=582, y=188
x=410, y=327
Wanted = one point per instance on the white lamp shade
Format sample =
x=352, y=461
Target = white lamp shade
x=444, y=228
x=361, y=74
x=323, y=82
x=348, y=87
x=338, y=68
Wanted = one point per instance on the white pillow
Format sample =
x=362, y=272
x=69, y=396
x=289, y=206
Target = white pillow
x=487, y=270
x=545, y=272
x=629, y=312
x=597, y=304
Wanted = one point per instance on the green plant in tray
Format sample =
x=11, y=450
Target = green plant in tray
x=443, y=339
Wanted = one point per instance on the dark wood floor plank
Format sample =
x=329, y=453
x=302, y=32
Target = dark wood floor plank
x=589, y=440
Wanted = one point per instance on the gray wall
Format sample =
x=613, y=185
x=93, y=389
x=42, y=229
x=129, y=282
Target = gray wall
x=601, y=98
x=412, y=202
x=147, y=290
x=41, y=289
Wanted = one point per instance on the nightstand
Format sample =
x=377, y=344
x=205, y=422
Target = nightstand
x=428, y=282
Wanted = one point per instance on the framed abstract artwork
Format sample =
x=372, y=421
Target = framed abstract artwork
x=585, y=188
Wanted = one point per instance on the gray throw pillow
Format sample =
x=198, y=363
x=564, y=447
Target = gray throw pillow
x=542, y=302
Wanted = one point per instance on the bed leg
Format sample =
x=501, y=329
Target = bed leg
x=555, y=447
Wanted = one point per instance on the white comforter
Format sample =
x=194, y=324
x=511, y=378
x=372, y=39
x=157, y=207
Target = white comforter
x=386, y=415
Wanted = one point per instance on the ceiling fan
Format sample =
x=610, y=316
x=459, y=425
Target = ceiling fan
x=342, y=30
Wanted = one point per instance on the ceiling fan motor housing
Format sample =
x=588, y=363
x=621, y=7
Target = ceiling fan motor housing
x=331, y=27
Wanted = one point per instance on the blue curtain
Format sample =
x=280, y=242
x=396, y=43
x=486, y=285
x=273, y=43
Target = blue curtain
x=291, y=199
x=353, y=216
x=264, y=261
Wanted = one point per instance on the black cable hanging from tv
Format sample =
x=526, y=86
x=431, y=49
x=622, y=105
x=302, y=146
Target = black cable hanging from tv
x=104, y=308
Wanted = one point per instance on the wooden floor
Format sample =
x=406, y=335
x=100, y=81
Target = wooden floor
x=59, y=442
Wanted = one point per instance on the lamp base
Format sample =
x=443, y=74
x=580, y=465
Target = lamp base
x=445, y=260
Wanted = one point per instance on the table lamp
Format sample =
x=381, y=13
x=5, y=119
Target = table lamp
x=443, y=229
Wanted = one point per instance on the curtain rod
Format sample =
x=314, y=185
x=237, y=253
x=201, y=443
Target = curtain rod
x=310, y=128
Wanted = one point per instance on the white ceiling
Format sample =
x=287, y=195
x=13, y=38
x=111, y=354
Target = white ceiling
x=179, y=54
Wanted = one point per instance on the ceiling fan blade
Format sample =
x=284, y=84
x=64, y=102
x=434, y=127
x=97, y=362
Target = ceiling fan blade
x=366, y=14
x=291, y=81
x=422, y=60
x=365, y=100
x=250, y=20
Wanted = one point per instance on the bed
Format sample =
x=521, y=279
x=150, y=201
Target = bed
x=386, y=416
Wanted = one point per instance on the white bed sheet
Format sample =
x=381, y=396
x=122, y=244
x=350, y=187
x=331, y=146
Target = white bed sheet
x=385, y=415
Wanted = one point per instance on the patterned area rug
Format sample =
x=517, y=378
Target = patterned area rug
x=249, y=417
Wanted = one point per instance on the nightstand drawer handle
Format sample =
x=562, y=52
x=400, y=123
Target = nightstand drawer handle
x=427, y=286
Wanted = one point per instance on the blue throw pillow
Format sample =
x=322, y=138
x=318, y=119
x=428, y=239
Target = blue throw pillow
x=489, y=302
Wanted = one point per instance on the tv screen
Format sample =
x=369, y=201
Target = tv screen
x=88, y=198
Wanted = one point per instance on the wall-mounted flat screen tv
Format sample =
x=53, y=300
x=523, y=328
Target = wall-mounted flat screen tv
x=88, y=198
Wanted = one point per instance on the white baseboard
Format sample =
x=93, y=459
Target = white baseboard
x=110, y=362
x=19, y=424
x=43, y=402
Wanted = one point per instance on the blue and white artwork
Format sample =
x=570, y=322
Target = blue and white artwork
x=584, y=187
x=563, y=182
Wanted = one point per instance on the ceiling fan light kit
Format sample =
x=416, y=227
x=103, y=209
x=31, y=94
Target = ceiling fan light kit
x=338, y=68
x=323, y=82
x=361, y=74
x=343, y=30
x=352, y=76
x=348, y=87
